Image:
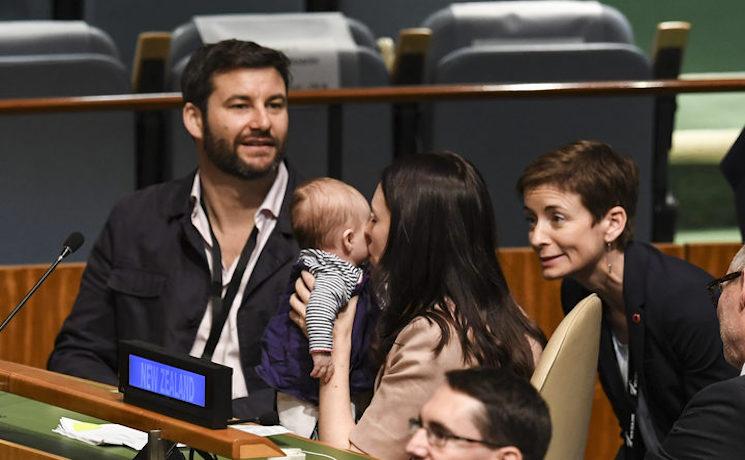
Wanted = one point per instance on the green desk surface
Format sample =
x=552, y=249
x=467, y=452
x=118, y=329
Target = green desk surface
x=30, y=423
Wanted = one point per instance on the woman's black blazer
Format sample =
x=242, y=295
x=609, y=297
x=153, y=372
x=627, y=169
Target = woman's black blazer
x=674, y=342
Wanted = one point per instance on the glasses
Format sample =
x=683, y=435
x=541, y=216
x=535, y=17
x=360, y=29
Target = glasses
x=438, y=436
x=716, y=286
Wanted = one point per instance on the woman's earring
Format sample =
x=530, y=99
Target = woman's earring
x=607, y=257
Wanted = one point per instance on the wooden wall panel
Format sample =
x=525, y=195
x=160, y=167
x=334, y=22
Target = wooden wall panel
x=537, y=296
x=670, y=249
x=714, y=258
x=29, y=338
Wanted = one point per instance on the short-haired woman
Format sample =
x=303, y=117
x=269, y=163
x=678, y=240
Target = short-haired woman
x=660, y=337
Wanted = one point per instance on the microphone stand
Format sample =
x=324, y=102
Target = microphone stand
x=65, y=252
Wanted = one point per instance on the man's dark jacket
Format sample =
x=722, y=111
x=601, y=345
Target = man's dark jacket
x=674, y=342
x=147, y=278
x=712, y=425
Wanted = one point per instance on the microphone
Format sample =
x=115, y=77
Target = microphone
x=72, y=243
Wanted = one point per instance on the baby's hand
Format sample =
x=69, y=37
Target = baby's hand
x=323, y=368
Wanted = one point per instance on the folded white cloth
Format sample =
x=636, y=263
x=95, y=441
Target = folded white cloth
x=98, y=434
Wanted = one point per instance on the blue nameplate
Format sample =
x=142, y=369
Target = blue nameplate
x=181, y=386
x=166, y=380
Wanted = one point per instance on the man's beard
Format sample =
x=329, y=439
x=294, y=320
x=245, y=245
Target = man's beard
x=220, y=153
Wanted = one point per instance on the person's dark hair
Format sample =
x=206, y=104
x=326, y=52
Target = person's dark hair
x=224, y=56
x=441, y=251
x=514, y=413
x=601, y=177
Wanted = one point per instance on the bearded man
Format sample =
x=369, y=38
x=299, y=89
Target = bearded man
x=196, y=265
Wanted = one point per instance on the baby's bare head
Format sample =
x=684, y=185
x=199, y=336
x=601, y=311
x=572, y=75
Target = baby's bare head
x=323, y=210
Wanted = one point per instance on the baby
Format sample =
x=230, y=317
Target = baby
x=328, y=220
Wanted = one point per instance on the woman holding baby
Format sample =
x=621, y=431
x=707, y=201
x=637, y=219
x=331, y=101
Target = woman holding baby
x=444, y=300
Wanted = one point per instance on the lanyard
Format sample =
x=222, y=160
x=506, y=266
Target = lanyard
x=221, y=305
x=633, y=390
x=642, y=419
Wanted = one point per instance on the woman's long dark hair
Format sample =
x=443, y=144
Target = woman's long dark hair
x=442, y=248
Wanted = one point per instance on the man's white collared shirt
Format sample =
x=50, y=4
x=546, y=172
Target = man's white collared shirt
x=227, y=351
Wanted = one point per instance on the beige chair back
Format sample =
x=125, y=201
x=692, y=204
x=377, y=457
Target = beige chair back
x=565, y=377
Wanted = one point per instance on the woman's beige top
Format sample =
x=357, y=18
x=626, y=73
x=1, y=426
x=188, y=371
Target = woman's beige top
x=409, y=376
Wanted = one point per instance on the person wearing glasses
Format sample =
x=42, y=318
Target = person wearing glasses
x=481, y=414
x=659, y=341
x=711, y=425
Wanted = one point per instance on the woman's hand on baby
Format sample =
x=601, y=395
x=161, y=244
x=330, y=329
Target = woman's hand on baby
x=299, y=299
x=323, y=366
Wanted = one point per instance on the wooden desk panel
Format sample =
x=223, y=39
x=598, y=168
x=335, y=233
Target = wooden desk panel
x=105, y=402
x=12, y=451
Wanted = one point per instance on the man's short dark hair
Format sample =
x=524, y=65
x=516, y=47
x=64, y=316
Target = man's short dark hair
x=514, y=413
x=224, y=56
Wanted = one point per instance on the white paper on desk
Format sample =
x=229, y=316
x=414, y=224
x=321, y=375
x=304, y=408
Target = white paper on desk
x=107, y=433
x=261, y=430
